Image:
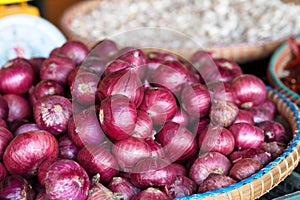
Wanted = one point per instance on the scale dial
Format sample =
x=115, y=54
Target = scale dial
x=27, y=36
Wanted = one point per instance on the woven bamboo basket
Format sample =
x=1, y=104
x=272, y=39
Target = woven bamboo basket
x=240, y=53
x=272, y=174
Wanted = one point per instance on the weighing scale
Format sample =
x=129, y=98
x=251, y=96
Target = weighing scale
x=24, y=33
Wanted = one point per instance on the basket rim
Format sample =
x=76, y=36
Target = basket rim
x=293, y=147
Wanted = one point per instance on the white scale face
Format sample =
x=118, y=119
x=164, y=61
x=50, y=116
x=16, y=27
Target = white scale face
x=27, y=36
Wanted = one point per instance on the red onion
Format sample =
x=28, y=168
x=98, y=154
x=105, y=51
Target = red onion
x=97, y=160
x=156, y=150
x=182, y=186
x=55, y=52
x=156, y=58
x=21, y=158
x=180, y=117
x=144, y=127
x=200, y=125
x=104, y=48
x=80, y=126
x=3, y=172
x=214, y=182
x=274, y=131
x=274, y=148
x=216, y=138
x=160, y=104
x=16, y=76
x=71, y=179
x=43, y=169
x=26, y=128
x=83, y=88
x=36, y=64
x=171, y=75
x=200, y=57
x=207, y=163
x=249, y=90
x=13, y=126
x=3, y=123
x=95, y=65
x=179, y=143
x=45, y=88
x=123, y=186
x=75, y=50
x=180, y=169
x=18, y=107
x=193, y=74
x=222, y=91
x=5, y=137
x=258, y=154
x=244, y=168
x=52, y=113
x=3, y=108
x=129, y=151
x=117, y=116
x=114, y=66
x=151, y=193
x=73, y=74
x=223, y=113
x=228, y=70
x=125, y=82
x=247, y=136
x=195, y=100
x=67, y=148
x=264, y=111
x=152, y=172
x=16, y=187
x=57, y=68
x=244, y=116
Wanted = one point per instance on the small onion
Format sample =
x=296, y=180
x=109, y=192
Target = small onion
x=249, y=90
x=75, y=50
x=214, y=182
x=151, y=193
x=152, y=172
x=67, y=148
x=144, y=126
x=16, y=76
x=160, y=104
x=26, y=128
x=117, y=116
x=244, y=116
x=16, y=187
x=71, y=179
x=258, y=154
x=52, y=113
x=97, y=160
x=247, y=136
x=264, y=111
x=182, y=186
x=244, y=168
x=274, y=131
x=3, y=172
x=5, y=137
x=123, y=186
x=114, y=66
x=207, y=163
x=223, y=113
x=104, y=48
x=27, y=151
x=195, y=100
x=216, y=138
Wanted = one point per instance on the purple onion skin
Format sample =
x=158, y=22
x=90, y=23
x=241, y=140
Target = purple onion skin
x=16, y=187
x=75, y=50
x=3, y=172
x=3, y=108
x=99, y=191
x=263, y=156
x=223, y=113
x=244, y=168
x=214, y=182
x=21, y=158
x=144, y=126
x=244, y=116
x=67, y=148
x=26, y=128
x=123, y=186
x=274, y=148
x=151, y=193
x=5, y=137
x=274, y=131
x=182, y=186
x=71, y=179
x=180, y=169
x=264, y=111
x=104, y=49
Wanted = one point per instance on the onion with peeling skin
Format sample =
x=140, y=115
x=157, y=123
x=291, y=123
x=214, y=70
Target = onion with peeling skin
x=27, y=151
x=223, y=113
x=5, y=137
x=66, y=179
x=117, y=116
x=274, y=131
x=151, y=193
x=244, y=168
x=52, y=113
x=264, y=111
x=214, y=182
x=143, y=127
x=123, y=186
x=182, y=186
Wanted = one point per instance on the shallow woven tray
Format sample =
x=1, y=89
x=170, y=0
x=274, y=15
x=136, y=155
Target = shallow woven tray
x=275, y=172
x=275, y=70
x=240, y=53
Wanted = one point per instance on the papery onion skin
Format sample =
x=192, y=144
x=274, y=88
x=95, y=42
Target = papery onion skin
x=75, y=50
x=160, y=104
x=274, y=148
x=97, y=160
x=216, y=138
x=123, y=186
x=151, y=193
x=52, y=113
x=84, y=128
x=249, y=90
x=27, y=151
x=66, y=179
x=211, y=162
x=263, y=156
x=67, y=148
x=223, y=113
x=195, y=100
x=182, y=186
x=144, y=126
x=152, y=172
x=99, y=191
x=5, y=137
x=3, y=172
x=16, y=76
x=274, y=131
x=156, y=149
x=16, y=187
x=215, y=181
x=179, y=143
x=43, y=169
x=247, y=136
x=244, y=168
x=129, y=151
x=117, y=116
x=265, y=111
x=244, y=116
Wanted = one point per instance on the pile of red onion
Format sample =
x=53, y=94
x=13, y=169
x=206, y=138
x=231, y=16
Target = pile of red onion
x=130, y=123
